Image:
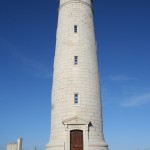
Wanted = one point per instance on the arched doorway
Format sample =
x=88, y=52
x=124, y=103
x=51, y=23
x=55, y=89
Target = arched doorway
x=76, y=140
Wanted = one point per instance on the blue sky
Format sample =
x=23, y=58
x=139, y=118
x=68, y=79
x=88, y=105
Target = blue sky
x=27, y=43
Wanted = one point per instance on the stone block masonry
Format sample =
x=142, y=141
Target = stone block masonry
x=76, y=114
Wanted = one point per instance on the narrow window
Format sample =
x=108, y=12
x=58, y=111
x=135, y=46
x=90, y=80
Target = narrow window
x=75, y=98
x=75, y=60
x=75, y=28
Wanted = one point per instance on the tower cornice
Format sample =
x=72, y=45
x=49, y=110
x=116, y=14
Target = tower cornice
x=59, y=1
x=75, y=1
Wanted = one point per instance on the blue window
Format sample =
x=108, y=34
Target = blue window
x=75, y=28
x=75, y=60
x=76, y=98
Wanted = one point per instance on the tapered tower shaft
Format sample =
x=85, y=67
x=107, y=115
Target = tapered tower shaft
x=76, y=114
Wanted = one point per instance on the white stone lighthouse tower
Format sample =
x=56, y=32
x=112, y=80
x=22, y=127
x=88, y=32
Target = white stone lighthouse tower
x=76, y=113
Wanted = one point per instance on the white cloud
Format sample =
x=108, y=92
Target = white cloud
x=37, y=69
x=137, y=100
x=121, y=78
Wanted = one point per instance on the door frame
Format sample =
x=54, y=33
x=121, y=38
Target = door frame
x=77, y=123
x=84, y=128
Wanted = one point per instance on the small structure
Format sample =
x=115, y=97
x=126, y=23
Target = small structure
x=16, y=145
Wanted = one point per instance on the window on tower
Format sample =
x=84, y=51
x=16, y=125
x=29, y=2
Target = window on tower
x=76, y=98
x=75, y=28
x=75, y=60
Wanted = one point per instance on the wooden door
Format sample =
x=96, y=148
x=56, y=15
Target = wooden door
x=76, y=140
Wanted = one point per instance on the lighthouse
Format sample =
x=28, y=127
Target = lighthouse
x=76, y=109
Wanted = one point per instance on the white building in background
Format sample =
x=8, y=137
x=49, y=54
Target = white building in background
x=76, y=113
x=15, y=146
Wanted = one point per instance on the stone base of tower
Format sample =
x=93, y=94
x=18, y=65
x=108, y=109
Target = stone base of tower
x=93, y=146
x=55, y=147
x=98, y=146
x=77, y=131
